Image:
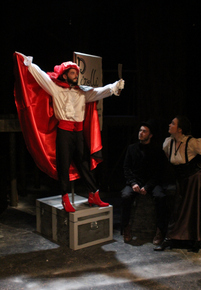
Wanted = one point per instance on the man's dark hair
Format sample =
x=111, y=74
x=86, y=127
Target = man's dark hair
x=61, y=76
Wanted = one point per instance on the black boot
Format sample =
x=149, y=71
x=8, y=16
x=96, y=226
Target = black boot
x=195, y=248
x=165, y=244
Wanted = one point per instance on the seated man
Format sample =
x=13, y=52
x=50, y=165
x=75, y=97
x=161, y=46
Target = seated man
x=143, y=166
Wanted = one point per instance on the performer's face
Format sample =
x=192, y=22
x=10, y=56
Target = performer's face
x=173, y=127
x=144, y=135
x=71, y=77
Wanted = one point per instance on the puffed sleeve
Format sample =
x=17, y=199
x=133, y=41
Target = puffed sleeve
x=166, y=146
x=42, y=79
x=103, y=92
x=195, y=146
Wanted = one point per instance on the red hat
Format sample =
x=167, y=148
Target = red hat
x=59, y=69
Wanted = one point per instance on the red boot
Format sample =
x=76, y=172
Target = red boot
x=66, y=203
x=94, y=198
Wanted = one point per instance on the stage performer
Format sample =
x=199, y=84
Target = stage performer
x=69, y=110
x=183, y=152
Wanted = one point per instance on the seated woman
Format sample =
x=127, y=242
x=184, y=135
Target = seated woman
x=183, y=152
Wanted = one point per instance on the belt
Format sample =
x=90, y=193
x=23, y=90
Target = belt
x=70, y=125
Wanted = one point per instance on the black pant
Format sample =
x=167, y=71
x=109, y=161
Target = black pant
x=128, y=196
x=70, y=147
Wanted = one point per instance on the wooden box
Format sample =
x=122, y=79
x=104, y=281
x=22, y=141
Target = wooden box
x=85, y=227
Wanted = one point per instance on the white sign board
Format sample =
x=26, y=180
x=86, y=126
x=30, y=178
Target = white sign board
x=90, y=75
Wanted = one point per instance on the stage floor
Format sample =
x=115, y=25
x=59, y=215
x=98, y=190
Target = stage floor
x=30, y=261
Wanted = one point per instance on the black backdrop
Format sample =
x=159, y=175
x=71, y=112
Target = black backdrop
x=158, y=43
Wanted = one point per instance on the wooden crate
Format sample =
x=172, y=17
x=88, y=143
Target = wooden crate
x=85, y=227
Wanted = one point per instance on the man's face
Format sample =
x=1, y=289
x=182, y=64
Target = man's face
x=144, y=135
x=71, y=77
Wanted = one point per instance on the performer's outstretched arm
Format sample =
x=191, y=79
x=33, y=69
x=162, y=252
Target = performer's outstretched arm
x=51, y=88
x=104, y=92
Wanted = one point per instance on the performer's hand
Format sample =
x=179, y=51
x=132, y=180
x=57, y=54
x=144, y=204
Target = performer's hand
x=119, y=85
x=143, y=191
x=136, y=188
x=27, y=59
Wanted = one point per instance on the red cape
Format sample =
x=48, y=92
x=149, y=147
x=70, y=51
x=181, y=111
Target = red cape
x=39, y=125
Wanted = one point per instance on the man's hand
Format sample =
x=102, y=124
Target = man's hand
x=136, y=188
x=118, y=87
x=27, y=59
x=143, y=191
x=121, y=84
